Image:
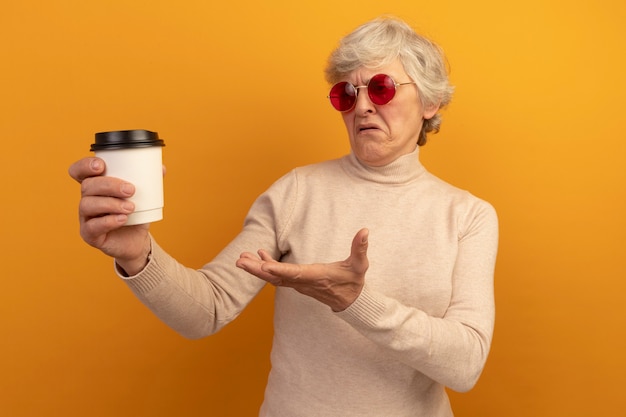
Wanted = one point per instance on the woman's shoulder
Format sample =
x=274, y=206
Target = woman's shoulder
x=297, y=176
x=455, y=193
x=320, y=167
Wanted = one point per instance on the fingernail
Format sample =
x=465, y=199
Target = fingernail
x=96, y=165
x=128, y=189
x=128, y=206
x=121, y=218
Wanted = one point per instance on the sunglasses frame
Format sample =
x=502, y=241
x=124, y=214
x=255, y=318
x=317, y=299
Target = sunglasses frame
x=369, y=93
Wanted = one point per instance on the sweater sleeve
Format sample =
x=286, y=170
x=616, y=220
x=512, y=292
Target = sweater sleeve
x=452, y=349
x=197, y=303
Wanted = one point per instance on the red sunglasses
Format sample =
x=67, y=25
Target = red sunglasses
x=381, y=88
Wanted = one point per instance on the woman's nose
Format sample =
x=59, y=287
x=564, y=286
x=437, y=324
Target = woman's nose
x=363, y=103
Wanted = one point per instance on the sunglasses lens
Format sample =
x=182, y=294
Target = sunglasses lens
x=342, y=96
x=381, y=89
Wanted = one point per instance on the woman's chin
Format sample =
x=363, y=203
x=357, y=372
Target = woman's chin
x=371, y=158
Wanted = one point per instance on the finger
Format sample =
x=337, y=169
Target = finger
x=284, y=271
x=253, y=265
x=90, y=206
x=106, y=186
x=248, y=255
x=85, y=168
x=358, y=252
x=93, y=231
x=264, y=255
x=360, y=243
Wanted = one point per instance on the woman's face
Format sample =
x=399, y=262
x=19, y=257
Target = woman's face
x=379, y=134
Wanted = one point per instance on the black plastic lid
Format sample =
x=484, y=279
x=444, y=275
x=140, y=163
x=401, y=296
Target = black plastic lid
x=124, y=139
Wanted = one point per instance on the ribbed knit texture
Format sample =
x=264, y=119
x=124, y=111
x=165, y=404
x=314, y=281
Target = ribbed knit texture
x=423, y=321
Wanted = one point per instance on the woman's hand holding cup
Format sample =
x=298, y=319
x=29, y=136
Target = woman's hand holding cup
x=103, y=212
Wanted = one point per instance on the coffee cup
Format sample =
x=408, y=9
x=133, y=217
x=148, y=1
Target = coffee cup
x=135, y=156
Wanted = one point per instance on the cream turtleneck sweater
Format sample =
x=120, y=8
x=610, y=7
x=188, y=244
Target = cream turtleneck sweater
x=423, y=321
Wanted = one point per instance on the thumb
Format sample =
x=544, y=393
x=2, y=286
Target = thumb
x=358, y=252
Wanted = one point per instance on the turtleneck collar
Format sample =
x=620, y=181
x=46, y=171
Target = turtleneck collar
x=401, y=171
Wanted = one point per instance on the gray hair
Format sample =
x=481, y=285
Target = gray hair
x=382, y=40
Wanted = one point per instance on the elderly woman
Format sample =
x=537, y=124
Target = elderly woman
x=409, y=312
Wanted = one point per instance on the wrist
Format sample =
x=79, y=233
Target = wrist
x=133, y=266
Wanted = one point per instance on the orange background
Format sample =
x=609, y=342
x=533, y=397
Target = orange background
x=236, y=90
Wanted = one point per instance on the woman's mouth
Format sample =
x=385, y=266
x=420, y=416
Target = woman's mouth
x=367, y=127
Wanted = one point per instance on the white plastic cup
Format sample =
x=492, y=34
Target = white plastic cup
x=135, y=156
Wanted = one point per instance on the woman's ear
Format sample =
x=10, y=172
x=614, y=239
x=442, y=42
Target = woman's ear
x=431, y=110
